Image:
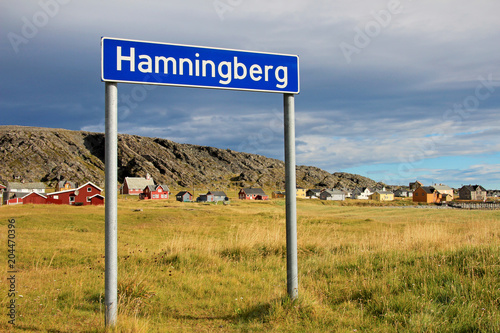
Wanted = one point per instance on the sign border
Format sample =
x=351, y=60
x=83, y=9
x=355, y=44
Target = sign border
x=199, y=86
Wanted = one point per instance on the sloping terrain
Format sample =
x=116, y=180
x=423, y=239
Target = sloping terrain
x=50, y=155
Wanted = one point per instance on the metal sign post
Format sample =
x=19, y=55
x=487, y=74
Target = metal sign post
x=130, y=61
x=291, y=197
x=111, y=185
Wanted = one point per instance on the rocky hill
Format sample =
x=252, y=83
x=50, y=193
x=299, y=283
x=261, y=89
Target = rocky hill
x=50, y=155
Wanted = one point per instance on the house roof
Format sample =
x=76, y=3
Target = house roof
x=218, y=193
x=28, y=186
x=3, y=186
x=473, y=188
x=384, y=192
x=138, y=183
x=182, y=193
x=77, y=189
x=428, y=189
x=254, y=191
x=153, y=188
x=314, y=190
x=35, y=193
x=333, y=192
x=442, y=187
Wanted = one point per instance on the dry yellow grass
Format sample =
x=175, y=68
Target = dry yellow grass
x=205, y=267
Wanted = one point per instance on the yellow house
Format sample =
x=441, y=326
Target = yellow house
x=301, y=192
x=382, y=196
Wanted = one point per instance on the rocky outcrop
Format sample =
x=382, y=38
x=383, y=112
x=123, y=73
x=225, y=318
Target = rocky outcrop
x=50, y=155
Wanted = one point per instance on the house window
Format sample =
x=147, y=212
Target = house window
x=71, y=199
x=89, y=189
x=56, y=197
x=88, y=199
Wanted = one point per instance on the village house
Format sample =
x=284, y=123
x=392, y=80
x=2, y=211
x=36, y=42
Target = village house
x=426, y=194
x=64, y=185
x=26, y=187
x=429, y=194
x=493, y=193
x=136, y=185
x=472, y=192
x=382, y=196
x=444, y=189
x=33, y=198
x=216, y=196
x=313, y=193
x=87, y=194
x=252, y=194
x=184, y=196
x=333, y=195
x=300, y=192
x=212, y=196
x=155, y=192
x=17, y=190
x=415, y=185
x=403, y=193
x=361, y=193
x=278, y=194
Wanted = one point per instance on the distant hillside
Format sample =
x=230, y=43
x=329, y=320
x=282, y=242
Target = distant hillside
x=50, y=155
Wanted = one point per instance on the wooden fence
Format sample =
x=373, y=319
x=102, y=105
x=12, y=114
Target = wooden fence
x=475, y=205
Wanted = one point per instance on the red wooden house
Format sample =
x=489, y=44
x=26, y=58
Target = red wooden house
x=33, y=198
x=153, y=192
x=252, y=194
x=136, y=185
x=87, y=194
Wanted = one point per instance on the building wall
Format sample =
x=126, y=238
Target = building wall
x=96, y=201
x=301, y=193
x=34, y=199
x=421, y=196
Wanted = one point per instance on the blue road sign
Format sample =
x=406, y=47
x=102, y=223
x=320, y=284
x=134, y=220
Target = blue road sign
x=132, y=61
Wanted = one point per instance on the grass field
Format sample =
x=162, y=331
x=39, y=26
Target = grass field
x=211, y=268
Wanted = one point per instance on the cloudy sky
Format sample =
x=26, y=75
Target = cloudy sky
x=393, y=90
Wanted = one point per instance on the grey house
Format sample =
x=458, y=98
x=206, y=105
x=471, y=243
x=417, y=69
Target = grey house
x=313, y=193
x=403, y=193
x=472, y=192
x=184, y=196
x=333, y=194
x=212, y=196
x=217, y=196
